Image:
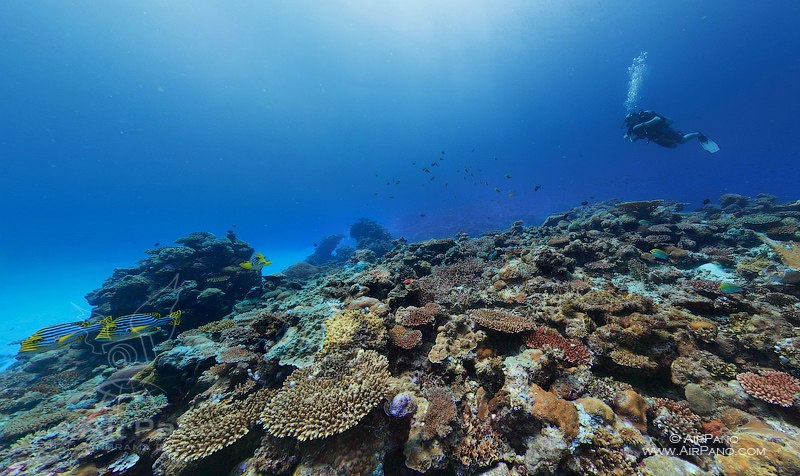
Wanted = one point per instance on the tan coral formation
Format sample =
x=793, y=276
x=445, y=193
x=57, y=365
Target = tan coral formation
x=212, y=426
x=329, y=397
x=501, y=321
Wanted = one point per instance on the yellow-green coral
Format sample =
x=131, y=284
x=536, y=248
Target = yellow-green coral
x=329, y=397
x=352, y=329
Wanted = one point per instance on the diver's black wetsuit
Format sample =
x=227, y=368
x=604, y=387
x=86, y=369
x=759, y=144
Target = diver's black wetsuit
x=659, y=132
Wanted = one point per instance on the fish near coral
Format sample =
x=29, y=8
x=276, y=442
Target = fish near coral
x=59, y=335
x=257, y=262
x=659, y=254
x=136, y=325
x=730, y=288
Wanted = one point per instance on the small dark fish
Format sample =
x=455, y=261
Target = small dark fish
x=315, y=245
x=391, y=196
x=156, y=244
x=706, y=201
x=465, y=170
x=426, y=170
x=376, y=175
x=508, y=176
x=388, y=183
x=536, y=188
x=413, y=163
x=442, y=152
x=441, y=158
x=473, y=149
x=497, y=190
x=397, y=182
x=422, y=215
x=433, y=178
x=584, y=203
x=434, y=164
x=233, y=226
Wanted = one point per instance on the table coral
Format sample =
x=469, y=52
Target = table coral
x=213, y=426
x=772, y=386
x=417, y=316
x=501, y=321
x=328, y=397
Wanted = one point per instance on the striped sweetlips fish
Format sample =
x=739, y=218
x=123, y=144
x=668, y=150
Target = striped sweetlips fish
x=136, y=325
x=58, y=335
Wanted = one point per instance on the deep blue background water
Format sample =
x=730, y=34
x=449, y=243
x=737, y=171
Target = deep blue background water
x=129, y=123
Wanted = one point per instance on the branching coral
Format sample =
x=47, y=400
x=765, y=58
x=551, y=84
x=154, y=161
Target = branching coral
x=501, y=321
x=328, y=397
x=404, y=337
x=574, y=352
x=772, y=386
x=213, y=426
x=441, y=412
x=417, y=316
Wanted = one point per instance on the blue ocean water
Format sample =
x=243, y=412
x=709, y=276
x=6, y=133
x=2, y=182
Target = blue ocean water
x=127, y=124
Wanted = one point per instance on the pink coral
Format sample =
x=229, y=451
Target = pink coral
x=575, y=352
x=771, y=386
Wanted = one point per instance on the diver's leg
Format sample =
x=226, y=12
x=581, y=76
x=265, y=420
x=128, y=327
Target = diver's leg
x=690, y=136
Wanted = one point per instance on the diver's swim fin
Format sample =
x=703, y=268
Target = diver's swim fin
x=708, y=144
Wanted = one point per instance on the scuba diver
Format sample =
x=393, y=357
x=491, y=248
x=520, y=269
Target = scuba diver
x=656, y=128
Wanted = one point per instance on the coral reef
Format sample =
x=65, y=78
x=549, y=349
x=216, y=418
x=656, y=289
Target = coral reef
x=592, y=344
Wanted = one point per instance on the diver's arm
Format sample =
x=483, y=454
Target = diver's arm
x=651, y=122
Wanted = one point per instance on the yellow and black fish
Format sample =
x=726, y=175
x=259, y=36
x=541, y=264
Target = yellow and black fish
x=58, y=335
x=257, y=262
x=136, y=325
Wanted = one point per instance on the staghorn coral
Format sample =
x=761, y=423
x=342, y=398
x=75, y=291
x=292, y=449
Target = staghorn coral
x=212, y=426
x=574, y=352
x=216, y=327
x=772, y=386
x=404, y=337
x=328, y=397
x=501, y=321
x=353, y=329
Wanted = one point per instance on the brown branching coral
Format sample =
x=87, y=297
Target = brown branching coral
x=481, y=444
x=440, y=414
x=772, y=386
x=404, y=337
x=213, y=426
x=501, y=321
x=450, y=284
x=328, y=397
x=574, y=352
x=674, y=420
x=417, y=316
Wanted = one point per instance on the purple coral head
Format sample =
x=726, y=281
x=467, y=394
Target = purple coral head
x=402, y=405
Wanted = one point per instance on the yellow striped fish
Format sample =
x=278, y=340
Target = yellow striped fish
x=136, y=325
x=59, y=335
